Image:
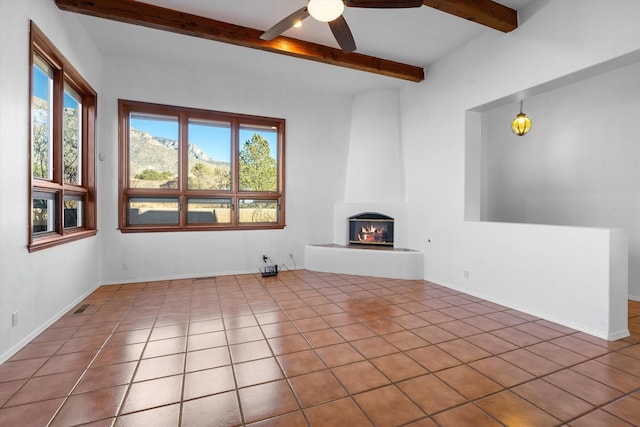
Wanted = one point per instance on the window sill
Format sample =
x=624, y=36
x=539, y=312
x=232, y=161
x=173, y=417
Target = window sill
x=49, y=241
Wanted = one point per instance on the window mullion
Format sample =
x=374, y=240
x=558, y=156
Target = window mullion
x=183, y=166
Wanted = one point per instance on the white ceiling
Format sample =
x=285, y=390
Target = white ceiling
x=417, y=36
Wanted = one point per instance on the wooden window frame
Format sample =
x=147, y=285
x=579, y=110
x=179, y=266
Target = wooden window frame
x=63, y=73
x=183, y=193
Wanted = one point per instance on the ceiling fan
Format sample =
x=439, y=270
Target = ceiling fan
x=330, y=11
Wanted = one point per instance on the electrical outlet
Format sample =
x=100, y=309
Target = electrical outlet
x=291, y=255
x=14, y=319
x=264, y=258
x=466, y=274
x=125, y=266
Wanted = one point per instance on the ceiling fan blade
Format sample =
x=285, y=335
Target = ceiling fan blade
x=383, y=4
x=343, y=35
x=285, y=24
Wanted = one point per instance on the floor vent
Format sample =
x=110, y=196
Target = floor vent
x=204, y=278
x=82, y=309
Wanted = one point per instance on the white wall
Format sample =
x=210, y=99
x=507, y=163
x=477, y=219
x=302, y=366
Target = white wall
x=315, y=165
x=578, y=166
x=44, y=284
x=555, y=39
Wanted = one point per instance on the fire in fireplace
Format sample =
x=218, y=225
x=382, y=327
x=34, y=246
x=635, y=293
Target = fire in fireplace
x=371, y=229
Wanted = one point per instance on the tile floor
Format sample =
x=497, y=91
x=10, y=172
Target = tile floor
x=307, y=348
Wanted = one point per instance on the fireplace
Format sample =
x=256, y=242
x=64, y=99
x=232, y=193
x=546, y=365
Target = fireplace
x=372, y=229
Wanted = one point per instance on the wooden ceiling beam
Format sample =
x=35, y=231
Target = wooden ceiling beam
x=486, y=12
x=160, y=18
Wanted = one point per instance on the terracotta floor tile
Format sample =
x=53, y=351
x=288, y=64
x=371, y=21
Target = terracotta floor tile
x=374, y=347
x=434, y=334
x=249, y=351
x=267, y=400
x=491, y=343
x=210, y=381
x=165, y=347
x=292, y=419
x=317, y=387
x=45, y=388
x=579, y=346
x=501, y=371
x=20, y=369
x=343, y=412
x=323, y=337
x=512, y=410
x=354, y=332
x=388, y=406
x=33, y=414
x=376, y=335
x=463, y=350
x=159, y=367
x=279, y=329
x=599, y=418
x=310, y=324
x=65, y=363
x=590, y=390
x=466, y=415
x=530, y=362
x=105, y=377
x=301, y=362
x=557, y=354
x=257, y=371
x=516, y=337
x=91, y=406
x=398, y=367
x=431, y=394
x=217, y=410
x=384, y=326
x=36, y=350
x=339, y=354
x=468, y=382
x=111, y=355
x=626, y=408
x=621, y=361
x=360, y=376
x=552, y=399
x=433, y=358
x=164, y=416
x=153, y=393
x=483, y=323
x=405, y=340
x=288, y=344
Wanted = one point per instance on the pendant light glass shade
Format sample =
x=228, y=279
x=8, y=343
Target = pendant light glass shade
x=521, y=124
x=325, y=10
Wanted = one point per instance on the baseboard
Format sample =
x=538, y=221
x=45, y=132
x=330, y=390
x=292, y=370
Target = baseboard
x=26, y=340
x=634, y=298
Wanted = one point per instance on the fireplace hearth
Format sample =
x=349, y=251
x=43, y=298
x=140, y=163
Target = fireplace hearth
x=372, y=229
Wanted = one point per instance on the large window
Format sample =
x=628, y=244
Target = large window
x=192, y=169
x=63, y=110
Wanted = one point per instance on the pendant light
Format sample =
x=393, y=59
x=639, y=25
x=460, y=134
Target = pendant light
x=521, y=124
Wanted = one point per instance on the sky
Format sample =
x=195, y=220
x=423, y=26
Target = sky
x=214, y=140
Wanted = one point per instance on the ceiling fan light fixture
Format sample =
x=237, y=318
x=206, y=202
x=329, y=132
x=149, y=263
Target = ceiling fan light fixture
x=325, y=10
x=521, y=124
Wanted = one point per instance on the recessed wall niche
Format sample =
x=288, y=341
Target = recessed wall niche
x=578, y=166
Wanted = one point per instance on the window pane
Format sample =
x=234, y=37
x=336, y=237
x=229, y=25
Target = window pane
x=208, y=211
x=44, y=212
x=251, y=211
x=258, y=159
x=209, y=155
x=153, y=151
x=41, y=117
x=71, y=132
x=154, y=211
x=73, y=213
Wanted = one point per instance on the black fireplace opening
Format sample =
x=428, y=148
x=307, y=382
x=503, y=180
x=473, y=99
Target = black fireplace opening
x=370, y=228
